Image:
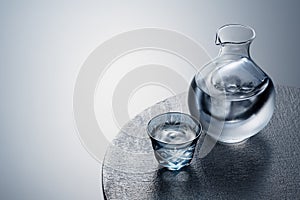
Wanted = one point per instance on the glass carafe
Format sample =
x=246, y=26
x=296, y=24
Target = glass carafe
x=231, y=96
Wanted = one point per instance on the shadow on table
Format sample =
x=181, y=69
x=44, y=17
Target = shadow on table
x=228, y=171
x=176, y=184
x=238, y=171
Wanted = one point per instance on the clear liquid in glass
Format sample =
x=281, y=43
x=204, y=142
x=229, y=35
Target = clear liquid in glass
x=174, y=145
x=241, y=114
x=174, y=137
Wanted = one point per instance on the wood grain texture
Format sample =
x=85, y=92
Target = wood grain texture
x=265, y=167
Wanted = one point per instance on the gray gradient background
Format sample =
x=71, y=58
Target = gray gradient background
x=44, y=43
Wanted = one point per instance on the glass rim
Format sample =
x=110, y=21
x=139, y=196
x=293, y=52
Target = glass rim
x=198, y=133
x=219, y=42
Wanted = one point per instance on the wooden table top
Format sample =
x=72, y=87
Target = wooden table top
x=264, y=167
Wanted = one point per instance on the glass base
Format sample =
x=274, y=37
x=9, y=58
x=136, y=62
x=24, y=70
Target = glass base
x=233, y=142
x=228, y=142
x=177, y=167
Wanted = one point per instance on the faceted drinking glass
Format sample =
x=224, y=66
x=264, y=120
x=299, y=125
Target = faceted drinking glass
x=174, y=137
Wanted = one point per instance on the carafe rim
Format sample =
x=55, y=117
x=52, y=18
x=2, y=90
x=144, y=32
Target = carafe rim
x=241, y=27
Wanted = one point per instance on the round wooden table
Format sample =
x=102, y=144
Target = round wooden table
x=264, y=167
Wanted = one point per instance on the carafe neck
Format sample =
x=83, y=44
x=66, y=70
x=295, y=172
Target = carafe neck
x=235, y=39
x=235, y=49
